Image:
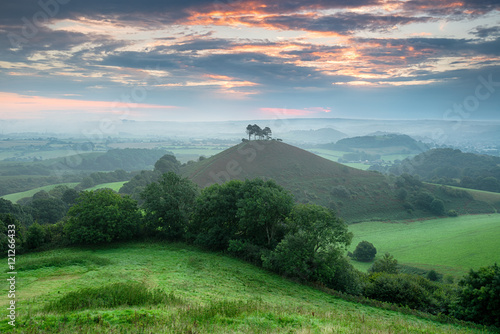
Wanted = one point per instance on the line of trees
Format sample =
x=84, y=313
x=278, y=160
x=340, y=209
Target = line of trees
x=256, y=131
x=259, y=222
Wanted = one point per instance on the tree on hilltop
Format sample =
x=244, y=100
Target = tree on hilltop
x=256, y=131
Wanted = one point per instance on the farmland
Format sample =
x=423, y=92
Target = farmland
x=450, y=246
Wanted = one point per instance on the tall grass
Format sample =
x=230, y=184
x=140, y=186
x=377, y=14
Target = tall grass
x=62, y=261
x=110, y=296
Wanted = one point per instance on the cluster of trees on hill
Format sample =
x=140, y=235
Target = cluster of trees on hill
x=257, y=221
x=453, y=167
x=256, y=131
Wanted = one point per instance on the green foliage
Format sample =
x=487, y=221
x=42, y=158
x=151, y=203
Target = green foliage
x=102, y=216
x=386, y=264
x=110, y=296
x=365, y=251
x=312, y=248
x=47, y=210
x=167, y=163
x=410, y=290
x=262, y=210
x=9, y=223
x=437, y=207
x=214, y=221
x=168, y=204
x=479, y=296
x=35, y=236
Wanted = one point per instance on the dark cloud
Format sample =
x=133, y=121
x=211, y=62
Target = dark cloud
x=345, y=23
x=484, y=32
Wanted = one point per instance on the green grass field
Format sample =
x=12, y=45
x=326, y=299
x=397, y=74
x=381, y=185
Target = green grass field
x=115, y=186
x=211, y=294
x=17, y=196
x=448, y=245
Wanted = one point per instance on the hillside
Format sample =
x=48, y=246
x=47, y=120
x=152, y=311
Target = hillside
x=189, y=291
x=356, y=195
x=454, y=167
x=379, y=143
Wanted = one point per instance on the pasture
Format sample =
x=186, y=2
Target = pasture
x=183, y=290
x=450, y=246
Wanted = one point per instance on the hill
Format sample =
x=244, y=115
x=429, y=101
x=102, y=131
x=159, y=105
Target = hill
x=379, y=143
x=174, y=288
x=454, y=167
x=355, y=194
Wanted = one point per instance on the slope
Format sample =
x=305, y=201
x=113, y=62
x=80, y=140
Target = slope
x=211, y=293
x=355, y=194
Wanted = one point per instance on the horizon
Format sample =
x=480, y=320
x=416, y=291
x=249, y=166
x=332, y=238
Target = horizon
x=211, y=61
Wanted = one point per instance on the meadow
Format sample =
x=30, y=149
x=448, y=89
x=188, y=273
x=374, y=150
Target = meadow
x=174, y=288
x=29, y=193
x=450, y=246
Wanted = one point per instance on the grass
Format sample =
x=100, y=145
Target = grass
x=115, y=186
x=174, y=288
x=17, y=196
x=450, y=246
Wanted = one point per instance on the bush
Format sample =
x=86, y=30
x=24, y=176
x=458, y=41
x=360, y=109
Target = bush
x=365, y=252
x=413, y=291
x=387, y=264
x=35, y=237
x=478, y=299
x=102, y=216
x=452, y=213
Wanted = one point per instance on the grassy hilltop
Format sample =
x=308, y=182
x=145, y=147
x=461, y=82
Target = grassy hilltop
x=200, y=293
x=356, y=195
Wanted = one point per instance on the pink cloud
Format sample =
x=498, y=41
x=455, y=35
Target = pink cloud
x=16, y=106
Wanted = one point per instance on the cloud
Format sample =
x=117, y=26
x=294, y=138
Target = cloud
x=16, y=106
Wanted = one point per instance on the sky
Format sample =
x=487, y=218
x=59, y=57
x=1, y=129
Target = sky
x=215, y=60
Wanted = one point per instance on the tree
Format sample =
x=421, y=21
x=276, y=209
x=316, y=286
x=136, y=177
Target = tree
x=267, y=132
x=437, y=207
x=167, y=163
x=256, y=131
x=168, y=204
x=214, y=221
x=249, y=130
x=48, y=210
x=478, y=299
x=35, y=237
x=102, y=216
x=365, y=251
x=312, y=248
x=387, y=264
x=262, y=210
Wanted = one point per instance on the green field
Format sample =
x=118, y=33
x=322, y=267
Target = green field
x=111, y=185
x=17, y=196
x=211, y=294
x=447, y=245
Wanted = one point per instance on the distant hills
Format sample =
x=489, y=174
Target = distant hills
x=320, y=136
x=355, y=194
x=372, y=143
x=454, y=167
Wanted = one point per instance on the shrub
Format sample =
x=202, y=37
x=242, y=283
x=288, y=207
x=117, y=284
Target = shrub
x=35, y=236
x=387, y=264
x=452, y=213
x=478, y=299
x=102, y=216
x=365, y=252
